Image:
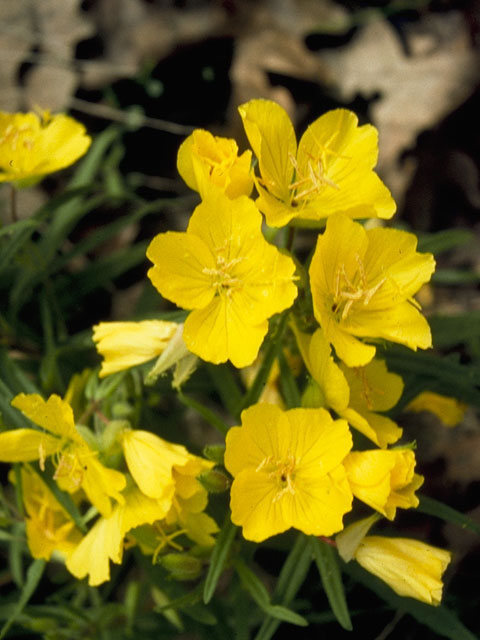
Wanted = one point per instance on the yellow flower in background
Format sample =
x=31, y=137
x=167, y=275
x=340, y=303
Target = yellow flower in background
x=32, y=146
x=48, y=526
x=150, y=460
x=224, y=270
x=127, y=344
x=177, y=507
x=331, y=171
x=76, y=464
x=411, y=568
x=104, y=541
x=354, y=394
x=288, y=471
x=384, y=479
x=204, y=160
x=449, y=410
x=363, y=283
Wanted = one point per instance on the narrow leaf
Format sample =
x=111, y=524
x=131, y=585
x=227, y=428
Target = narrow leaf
x=34, y=574
x=327, y=563
x=219, y=558
x=440, y=619
x=435, y=508
x=290, y=580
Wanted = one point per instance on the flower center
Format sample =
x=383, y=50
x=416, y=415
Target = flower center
x=223, y=278
x=311, y=181
x=282, y=473
x=347, y=292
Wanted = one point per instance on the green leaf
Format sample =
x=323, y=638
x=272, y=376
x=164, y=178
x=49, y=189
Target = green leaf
x=455, y=277
x=257, y=590
x=226, y=386
x=34, y=574
x=269, y=355
x=288, y=384
x=435, y=508
x=327, y=562
x=444, y=240
x=204, y=411
x=445, y=374
x=448, y=331
x=62, y=497
x=290, y=580
x=20, y=234
x=219, y=557
x=440, y=619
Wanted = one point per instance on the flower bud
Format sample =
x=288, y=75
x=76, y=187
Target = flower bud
x=214, y=481
x=181, y=566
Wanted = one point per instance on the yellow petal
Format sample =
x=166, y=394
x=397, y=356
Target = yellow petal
x=100, y=483
x=449, y=410
x=150, y=461
x=101, y=544
x=182, y=263
x=25, y=445
x=127, y=344
x=411, y=568
x=217, y=334
x=272, y=138
x=54, y=415
x=335, y=161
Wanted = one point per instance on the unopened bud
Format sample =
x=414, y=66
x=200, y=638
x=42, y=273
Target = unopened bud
x=313, y=396
x=181, y=566
x=214, y=481
x=214, y=452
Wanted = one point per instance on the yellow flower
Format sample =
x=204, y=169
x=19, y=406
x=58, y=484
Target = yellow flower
x=150, y=460
x=372, y=389
x=331, y=171
x=224, y=270
x=104, y=541
x=449, y=410
x=77, y=465
x=411, y=568
x=127, y=344
x=288, y=471
x=49, y=528
x=204, y=160
x=190, y=501
x=354, y=394
x=33, y=146
x=385, y=480
x=363, y=283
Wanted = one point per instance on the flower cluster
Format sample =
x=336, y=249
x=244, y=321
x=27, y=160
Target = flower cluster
x=302, y=460
x=151, y=498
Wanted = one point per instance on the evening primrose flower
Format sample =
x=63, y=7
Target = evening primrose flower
x=76, y=464
x=411, y=568
x=48, y=526
x=354, y=394
x=104, y=542
x=227, y=274
x=331, y=171
x=32, y=146
x=288, y=471
x=384, y=479
x=204, y=160
x=363, y=283
x=127, y=344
